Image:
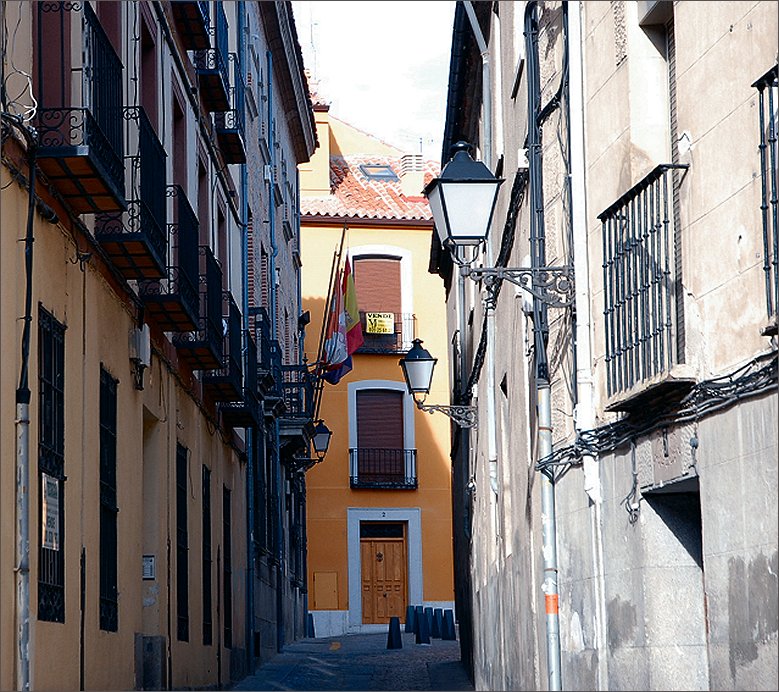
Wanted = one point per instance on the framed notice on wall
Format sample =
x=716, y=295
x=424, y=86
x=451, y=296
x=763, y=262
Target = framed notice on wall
x=50, y=511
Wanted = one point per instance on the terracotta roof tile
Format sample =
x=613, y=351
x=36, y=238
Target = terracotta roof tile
x=354, y=194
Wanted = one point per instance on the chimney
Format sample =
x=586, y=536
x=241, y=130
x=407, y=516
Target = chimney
x=412, y=175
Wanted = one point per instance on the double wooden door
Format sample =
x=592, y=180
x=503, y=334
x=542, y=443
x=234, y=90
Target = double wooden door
x=384, y=579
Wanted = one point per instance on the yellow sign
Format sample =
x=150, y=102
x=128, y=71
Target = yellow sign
x=380, y=322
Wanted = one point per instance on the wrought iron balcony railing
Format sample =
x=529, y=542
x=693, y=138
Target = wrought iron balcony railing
x=298, y=391
x=274, y=398
x=638, y=281
x=225, y=383
x=173, y=301
x=394, y=469
x=245, y=412
x=260, y=325
x=192, y=23
x=81, y=148
x=202, y=348
x=211, y=66
x=387, y=332
x=136, y=240
x=230, y=132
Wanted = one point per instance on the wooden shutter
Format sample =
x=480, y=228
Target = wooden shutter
x=377, y=284
x=380, y=419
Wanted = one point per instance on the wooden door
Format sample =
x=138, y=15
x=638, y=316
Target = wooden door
x=384, y=577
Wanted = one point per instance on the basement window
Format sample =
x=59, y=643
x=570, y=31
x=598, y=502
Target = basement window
x=378, y=172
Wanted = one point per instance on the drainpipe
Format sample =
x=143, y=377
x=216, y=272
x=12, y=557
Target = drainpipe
x=279, y=480
x=584, y=411
x=486, y=81
x=540, y=330
x=250, y=442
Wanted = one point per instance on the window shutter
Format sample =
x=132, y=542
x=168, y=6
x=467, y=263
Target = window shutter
x=377, y=284
x=380, y=419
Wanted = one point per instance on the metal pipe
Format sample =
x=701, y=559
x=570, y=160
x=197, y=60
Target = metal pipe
x=23, y=543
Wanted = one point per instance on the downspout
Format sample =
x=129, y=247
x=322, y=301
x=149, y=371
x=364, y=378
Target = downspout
x=540, y=330
x=250, y=441
x=274, y=335
x=486, y=82
x=584, y=411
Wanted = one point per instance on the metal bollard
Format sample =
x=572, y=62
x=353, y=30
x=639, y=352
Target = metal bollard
x=394, y=640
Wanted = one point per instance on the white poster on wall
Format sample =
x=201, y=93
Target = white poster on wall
x=50, y=512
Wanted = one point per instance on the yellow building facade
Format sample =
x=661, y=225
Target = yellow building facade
x=379, y=505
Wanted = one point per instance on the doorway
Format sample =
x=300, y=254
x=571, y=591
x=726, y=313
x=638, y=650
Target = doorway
x=384, y=571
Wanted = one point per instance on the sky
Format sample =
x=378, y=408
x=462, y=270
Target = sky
x=382, y=65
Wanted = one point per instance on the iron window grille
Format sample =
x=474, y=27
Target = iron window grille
x=51, y=467
x=768, y=101
x=383, y=468
x=207, y=618
x=182, y=546
x=227, y=566
x=639, y=282
x=109, y=602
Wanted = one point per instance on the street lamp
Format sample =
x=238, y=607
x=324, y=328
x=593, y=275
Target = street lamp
x=418, y=366
x=462, y=201
x=321, y=439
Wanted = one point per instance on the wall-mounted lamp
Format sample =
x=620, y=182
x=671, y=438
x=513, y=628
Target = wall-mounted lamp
x=462, y=201
x=418, y=366
x=321, y=439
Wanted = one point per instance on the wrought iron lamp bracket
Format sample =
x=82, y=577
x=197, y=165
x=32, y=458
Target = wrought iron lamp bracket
x=464, y=416
x=553, y=286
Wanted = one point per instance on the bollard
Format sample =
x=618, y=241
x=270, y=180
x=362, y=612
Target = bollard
x=436, y=631
x=394, y=640
x=410, y=618
x=310, y=626
x=423, y=629
x=429, y=616
x=449, y=631
x=418, y=616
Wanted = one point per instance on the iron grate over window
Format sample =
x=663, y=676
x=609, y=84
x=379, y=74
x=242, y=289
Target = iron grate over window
x=768, y=97
x=51, y=468
x=182, y=546
x=639, y=281
x=109, y=602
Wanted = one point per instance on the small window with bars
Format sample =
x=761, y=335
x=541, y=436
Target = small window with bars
x=182, y=545
x=768, y=104
x=51, y=467
x=109, y=603
x=639, y=281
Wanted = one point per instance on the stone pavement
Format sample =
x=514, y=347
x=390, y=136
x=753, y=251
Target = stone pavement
x=362, y=662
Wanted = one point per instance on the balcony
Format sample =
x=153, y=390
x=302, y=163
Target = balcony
x=245, y=412
x=225, y=383
x=173, y=301
x=211, y=67
x=80, y=149
x=136, y=240
x=273, y=401
x=260, y=324
x=191, y=20
x=230, y=132
x=391, y=469
x=386, y=332
x=202, y=348
x=296, y=425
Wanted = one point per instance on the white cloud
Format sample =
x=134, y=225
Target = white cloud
x=382, y=65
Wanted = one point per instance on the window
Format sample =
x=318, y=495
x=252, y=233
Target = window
x=182, y=546
x=109, y=604
x=385, y=327
x=51, y=468
x=380, y=457
x=375, y=171
x=768, y=100
x=638, y=281
x=227, y=568
x=207, y=621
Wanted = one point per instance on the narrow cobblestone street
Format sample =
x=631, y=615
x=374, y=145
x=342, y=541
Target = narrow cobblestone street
x=362, y=662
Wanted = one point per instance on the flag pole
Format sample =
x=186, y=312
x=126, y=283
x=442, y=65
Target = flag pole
x=335, y=266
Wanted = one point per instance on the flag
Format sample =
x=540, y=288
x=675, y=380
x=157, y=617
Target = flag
x=344, y=331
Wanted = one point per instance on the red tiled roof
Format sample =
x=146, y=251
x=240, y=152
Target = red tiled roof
x=352, y=193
